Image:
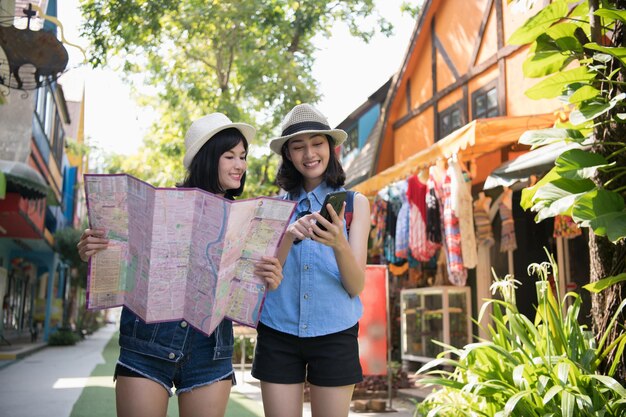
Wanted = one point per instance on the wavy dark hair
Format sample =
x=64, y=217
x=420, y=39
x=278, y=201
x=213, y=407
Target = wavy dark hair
x=290, y=179
x=203, y=171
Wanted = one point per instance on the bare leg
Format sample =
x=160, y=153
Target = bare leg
x=140, y=397
x=206, y=401
x=331, y=401
x=282, y=400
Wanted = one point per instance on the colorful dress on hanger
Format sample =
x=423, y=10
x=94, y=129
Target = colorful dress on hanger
x=457, y=274
x=393, y=207
x=420, y=247
x=379, y=213
x=507, y=239
x=434, y=215
x=402, y=226
x=462, y=208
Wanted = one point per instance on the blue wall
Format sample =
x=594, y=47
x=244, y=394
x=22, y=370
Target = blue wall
x=69, y=193
x=366, y=123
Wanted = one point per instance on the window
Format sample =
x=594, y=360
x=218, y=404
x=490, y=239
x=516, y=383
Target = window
x=485, y=102
x=352, y=141
x=450, y=120
x=48, y=128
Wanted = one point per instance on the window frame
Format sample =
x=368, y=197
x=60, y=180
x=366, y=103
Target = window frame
x=484, y=91
x=448, y=111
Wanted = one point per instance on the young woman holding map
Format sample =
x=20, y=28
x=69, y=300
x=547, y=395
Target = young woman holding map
x=309, y=325
x=154, y=358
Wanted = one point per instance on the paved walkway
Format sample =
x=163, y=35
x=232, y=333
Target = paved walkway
x=49, y=381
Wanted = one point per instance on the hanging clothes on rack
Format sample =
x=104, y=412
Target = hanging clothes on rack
x=462, y=207
x=457, y=274
x=420, y=247
x=402, y=226
x=377, y=234
x=434, y=209
x=394, y=202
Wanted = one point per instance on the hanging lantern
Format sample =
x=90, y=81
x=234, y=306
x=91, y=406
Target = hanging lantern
x=31, y=58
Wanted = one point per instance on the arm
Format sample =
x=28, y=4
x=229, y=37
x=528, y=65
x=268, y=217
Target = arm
x=351, y=255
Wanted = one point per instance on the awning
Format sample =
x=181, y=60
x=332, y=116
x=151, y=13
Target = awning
x=23, y=179
x=535, y=162
x=476, y=138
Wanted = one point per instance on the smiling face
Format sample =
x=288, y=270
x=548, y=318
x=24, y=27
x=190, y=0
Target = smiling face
x=309, y=154
x=232, y=166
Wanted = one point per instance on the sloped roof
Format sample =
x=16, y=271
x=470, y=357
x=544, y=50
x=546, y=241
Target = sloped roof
x=378, y=96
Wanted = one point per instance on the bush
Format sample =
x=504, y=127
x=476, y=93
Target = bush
x=63, y=337
x=545, y=367
x=249, y=350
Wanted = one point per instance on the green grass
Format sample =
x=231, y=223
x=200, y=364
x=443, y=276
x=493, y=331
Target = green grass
x=100, y=401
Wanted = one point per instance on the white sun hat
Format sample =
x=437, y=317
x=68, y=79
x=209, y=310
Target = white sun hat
x=304, y=118
x=205, y=128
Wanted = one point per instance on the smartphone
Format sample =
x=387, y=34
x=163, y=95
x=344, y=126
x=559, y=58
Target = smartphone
x=336, y=200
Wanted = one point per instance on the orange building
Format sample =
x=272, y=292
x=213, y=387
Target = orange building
x=460, y=91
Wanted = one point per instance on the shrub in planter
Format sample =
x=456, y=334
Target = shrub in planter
x=546, y=367
x=63, y=337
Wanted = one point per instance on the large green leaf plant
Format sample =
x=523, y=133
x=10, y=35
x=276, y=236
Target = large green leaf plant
x=546, y=367
x=588, y=77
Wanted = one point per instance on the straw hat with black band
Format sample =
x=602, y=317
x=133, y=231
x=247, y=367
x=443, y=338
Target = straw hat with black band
x=304, y=118
x=205, y=128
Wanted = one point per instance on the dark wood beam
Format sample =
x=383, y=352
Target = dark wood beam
x=444, y=54
x=501, y=61
x=433, y=70
x=481, y=33
x=474, y=71
x=500, y=24
x=465, y=106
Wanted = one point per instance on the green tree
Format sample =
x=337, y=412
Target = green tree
x=251, y=60
x=65, y=241
x=579, y=47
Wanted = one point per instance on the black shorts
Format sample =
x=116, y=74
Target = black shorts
x=328, y=361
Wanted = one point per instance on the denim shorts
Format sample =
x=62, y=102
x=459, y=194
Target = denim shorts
x=174, y=354
x=331, y=360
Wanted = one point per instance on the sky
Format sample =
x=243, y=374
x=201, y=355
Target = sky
x=347, y=71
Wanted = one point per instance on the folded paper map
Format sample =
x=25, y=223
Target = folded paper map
x=180, y=253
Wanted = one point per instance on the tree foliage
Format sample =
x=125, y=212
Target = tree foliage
x=593, y=91
x=65, y=241
x=251, y=60
x=579, y=49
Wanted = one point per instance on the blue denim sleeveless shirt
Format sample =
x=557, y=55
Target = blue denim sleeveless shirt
x=311, y=301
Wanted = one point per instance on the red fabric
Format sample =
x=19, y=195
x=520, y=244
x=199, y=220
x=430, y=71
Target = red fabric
x=416, y=193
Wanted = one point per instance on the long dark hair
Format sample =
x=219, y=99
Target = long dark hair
x=290, y=179
x=203, y=171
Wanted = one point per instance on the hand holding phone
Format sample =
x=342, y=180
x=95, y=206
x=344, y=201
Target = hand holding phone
x=336, y=200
